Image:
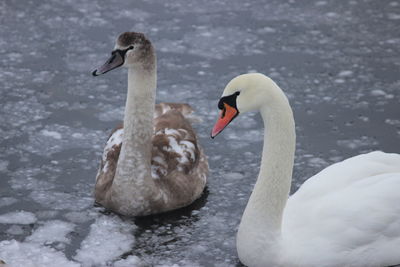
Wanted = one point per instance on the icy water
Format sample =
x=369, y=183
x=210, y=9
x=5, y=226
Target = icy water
x=338, y=61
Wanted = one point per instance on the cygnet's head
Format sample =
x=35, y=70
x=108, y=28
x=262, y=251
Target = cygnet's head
x=246, y=92
x=131, y=50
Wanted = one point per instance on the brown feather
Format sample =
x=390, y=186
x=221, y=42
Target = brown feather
x=179, y=176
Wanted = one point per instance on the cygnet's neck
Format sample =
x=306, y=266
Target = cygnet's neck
x=139, y=112
x=260, y=227
x=133, y=174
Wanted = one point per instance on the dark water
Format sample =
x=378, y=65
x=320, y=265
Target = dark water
x=338, y=62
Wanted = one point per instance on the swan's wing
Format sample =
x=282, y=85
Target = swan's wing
x=344, y=173
x=175, y=146
x=162, y=108
x=108, y=163
x=348, y=211
x=185, y=109
x=179, y=166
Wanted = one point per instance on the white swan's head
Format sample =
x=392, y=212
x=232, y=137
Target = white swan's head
x=246, y=92
x=132, y=49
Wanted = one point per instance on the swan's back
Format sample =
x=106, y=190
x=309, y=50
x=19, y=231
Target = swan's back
x=347, y=213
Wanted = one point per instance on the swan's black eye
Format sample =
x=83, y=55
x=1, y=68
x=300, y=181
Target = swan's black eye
x=221, y=104
x=130, y=48
x=230, y=100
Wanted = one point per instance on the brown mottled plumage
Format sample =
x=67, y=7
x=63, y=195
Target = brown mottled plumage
x=167, y=116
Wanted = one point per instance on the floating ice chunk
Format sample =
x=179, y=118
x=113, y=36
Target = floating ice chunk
x=364, y=141
x=394, y=122
x=218, y=42
x=266, y=30
x=132, y=13
x=249, y=135
x=339, y=81
x=60, y=200
x=56, y=138
x=393, y=41
x=7, y=201
x=332, y=15
x=18, y=217
x=23, y=178
x=46, y=214
x=17, y=57
x=393, y=16
x=15, y=230
x=317, y=162
x=15, y=253
x=378, y=92
x=111, y=114
x=109, y=237
x=52, y=231
x=29, y=183
x=3, y=165
x=321, y=3
x=389, y=96
x=345, y=73
x=77, y=135
x=43, y=77
x=206, y=34
x=233, y=175
x=248, y=154
x=215, y=157
x=363, y=118
x=182, y=263
x=18, y=113
x=131, y=261
x=78, y=216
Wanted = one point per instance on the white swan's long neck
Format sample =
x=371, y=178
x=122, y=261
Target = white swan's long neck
x=133, y=174
x=260, y=226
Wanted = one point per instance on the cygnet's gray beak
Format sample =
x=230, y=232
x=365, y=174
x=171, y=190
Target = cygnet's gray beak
x=116, y=60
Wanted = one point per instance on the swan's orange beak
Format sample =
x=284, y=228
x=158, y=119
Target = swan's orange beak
x=227, y=115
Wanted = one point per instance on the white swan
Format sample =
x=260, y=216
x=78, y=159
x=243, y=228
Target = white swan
x=153, y=163
x=346, y=215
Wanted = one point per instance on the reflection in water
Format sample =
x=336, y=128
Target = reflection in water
x=167, y=228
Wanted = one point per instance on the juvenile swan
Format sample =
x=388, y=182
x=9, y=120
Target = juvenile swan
x=153, y=163
x=346, y=215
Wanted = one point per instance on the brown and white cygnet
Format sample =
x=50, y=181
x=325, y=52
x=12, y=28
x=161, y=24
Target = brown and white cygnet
x=152, y=163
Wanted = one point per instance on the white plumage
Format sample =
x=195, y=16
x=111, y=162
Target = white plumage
x=346, y=215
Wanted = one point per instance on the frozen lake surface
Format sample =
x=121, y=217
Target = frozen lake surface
x=338, y=61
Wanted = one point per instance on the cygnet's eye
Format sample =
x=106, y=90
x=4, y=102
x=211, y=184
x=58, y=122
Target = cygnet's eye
x=130, y=48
